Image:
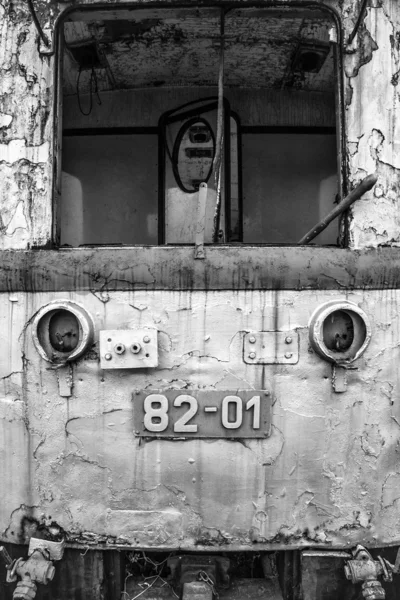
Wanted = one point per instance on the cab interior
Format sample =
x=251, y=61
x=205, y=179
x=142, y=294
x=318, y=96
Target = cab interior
x=156, y=101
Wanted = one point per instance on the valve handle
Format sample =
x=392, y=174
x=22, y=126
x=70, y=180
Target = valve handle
x=396, y=567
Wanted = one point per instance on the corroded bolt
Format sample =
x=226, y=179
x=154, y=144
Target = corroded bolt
x=135, y=348
x=288, y=354
x=252, y=355
x=146, y=339
x=252, y=339
x=108, y=356
x=119, y=348
x=288, y=339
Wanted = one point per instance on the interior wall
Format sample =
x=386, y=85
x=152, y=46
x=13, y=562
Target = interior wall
x=288, y=180
x=109, y=190
x=143, y=107
x=289, y=184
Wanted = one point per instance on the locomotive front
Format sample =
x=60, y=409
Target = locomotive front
x=193, y=403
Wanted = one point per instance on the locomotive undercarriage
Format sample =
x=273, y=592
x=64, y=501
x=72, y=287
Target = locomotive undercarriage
x=281, y=575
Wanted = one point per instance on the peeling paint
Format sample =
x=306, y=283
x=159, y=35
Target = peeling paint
x=328, y=473
x=312, y=488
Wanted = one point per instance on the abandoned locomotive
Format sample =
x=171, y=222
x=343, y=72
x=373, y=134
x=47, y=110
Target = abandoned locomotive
x=199, y=238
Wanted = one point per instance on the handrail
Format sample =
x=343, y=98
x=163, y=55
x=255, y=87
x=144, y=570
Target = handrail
x=362, y=187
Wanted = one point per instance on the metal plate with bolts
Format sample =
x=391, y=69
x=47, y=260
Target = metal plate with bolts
x=128, y=349
x=271, y=348
x=202, y=413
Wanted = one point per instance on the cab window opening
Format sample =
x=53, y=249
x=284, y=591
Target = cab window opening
x=140, y=126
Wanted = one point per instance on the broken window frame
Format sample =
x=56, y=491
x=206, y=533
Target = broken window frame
x=114, y=10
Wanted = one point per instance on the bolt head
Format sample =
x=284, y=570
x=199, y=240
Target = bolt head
x=146, y=339
x=288, y=339
x=135, y=348
x=252, y=355
x=108, y=356
x=252, y=339
x=288, y=354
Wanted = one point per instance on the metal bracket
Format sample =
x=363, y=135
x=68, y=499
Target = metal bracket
x=339, y=379
x=271, y=348
x=128, y=349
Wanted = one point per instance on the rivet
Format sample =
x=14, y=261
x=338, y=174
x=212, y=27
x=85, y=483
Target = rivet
x=288, y=339
x=146, y=339
x=266, y=393
x=252, y=339
x=108, y=356
x=252, y=355
x=288, y=354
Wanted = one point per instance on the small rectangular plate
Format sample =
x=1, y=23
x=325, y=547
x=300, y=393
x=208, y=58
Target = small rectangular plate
x=128, y=349
x=202, y=413
x=271, y=348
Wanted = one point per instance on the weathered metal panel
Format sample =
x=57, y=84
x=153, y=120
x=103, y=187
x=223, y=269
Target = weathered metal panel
x=102, y=270
x=327, y=475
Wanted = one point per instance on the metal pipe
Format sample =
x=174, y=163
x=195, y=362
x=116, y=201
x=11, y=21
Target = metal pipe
x=220, y=130
x=200, y=222
x=358, y=22
x=363, y=187
x=39, y=29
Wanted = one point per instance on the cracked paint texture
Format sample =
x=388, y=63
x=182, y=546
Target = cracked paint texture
x=327, y=476
x=26, y=131
x=371, y=66
x=371, y=77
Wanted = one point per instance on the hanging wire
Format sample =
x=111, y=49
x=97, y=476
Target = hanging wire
x=358, y=22
x=145, y=584
x=93, y=87
x=39, y=29
x=220, y=131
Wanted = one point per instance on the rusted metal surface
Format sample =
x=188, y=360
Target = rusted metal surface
x=173, y=268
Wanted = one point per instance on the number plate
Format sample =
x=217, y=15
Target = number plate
x=202, y=414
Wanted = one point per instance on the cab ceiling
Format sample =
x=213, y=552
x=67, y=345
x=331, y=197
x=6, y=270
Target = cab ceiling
x=181, y=47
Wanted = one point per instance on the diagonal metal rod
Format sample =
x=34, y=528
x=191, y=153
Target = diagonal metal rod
x=363, y=187
x=220, y=130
